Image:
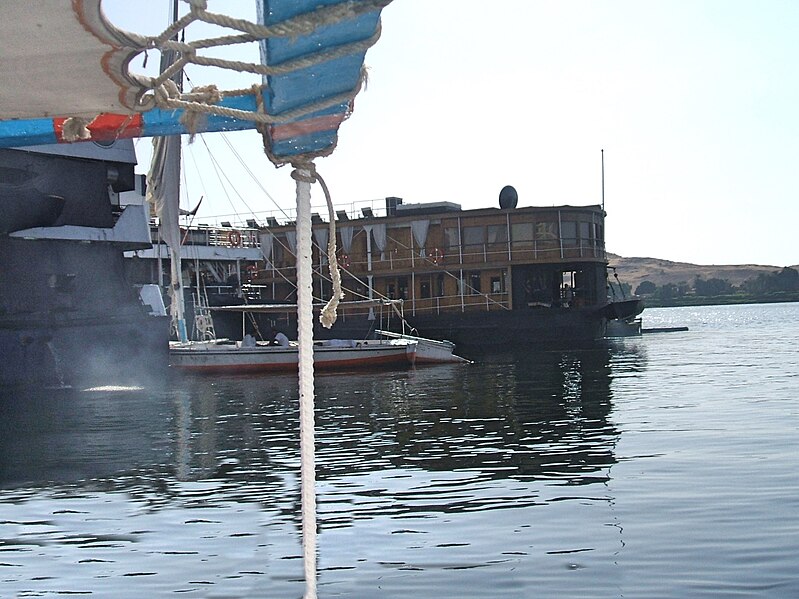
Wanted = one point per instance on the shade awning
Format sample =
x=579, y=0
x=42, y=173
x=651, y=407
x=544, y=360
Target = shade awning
x=71, y=63
x=282, y=308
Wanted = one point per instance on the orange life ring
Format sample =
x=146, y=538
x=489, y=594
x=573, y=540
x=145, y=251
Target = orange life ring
x=436, y=255
x=344, y=260
x=234, y=238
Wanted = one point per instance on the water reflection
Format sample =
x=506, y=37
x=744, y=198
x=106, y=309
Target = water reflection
x=66, y=435
x=203, y=467
x=523, y=416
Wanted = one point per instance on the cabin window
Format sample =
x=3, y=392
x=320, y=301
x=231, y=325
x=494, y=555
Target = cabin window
x=521, y=235
x=497, y=285
x=279, y=250
x=497, y=233
x=402, y=287
x=325, y=288
x=585, y=231
x=424, y=288
x=568, y=233
x=546, y=231
x=521, y=231
x=473, y=236
x=391, y=291
x=451, y=237
x=440, y=286
x=474, y=283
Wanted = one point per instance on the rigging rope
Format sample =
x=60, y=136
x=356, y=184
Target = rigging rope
x=162, y=92
x=303, y=176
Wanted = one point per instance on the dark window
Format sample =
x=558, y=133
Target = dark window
x=424, y=289
x=402, y=285
x=440, y=286
x=568, y=233
x=473, y=236
x=497, y=233
x=545, y=231
x=451, y=237
x=474, y=283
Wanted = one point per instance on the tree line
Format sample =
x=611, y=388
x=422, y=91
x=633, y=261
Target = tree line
x=782, y=285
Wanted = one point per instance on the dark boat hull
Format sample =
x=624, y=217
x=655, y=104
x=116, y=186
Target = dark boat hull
x=489, y=331
x=623, y=309
x=68, y=314
x=478, y=332
x=72, y=319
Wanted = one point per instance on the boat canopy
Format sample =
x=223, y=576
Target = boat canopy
x=78, y=85
x=68, y=68
x=280, y=308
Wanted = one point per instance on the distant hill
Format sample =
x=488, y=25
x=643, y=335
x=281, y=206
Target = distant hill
x=660, y=272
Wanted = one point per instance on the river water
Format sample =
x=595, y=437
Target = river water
x=658, y=466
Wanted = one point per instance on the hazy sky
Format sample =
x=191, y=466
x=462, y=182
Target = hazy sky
x=695, y=103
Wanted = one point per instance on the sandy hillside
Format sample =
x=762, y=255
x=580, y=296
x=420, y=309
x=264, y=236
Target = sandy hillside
x=635, y=270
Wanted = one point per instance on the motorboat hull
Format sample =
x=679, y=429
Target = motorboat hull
x=221, y=358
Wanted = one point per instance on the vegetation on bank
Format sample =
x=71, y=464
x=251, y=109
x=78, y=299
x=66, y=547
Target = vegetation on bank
x=779, y=286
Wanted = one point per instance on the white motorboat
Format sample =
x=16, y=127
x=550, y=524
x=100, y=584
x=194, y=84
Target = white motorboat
x=223, y=356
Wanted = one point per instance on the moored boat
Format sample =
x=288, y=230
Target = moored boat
x=68, y=313
x=225, y=357
x=485, y=279
x=429, y=351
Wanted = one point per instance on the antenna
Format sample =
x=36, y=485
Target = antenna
x=603, y=179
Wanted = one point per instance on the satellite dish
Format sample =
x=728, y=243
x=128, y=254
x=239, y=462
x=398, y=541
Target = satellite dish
x=508, y=197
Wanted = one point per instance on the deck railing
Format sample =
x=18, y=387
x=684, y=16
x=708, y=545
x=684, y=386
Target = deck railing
x=406, y=259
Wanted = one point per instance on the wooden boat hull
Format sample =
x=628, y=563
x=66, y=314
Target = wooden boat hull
x=209, y=357
x=429, y=351
x=623, y=309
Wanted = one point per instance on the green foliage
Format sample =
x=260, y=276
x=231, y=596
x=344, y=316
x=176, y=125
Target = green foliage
x=712, y=287
x=646, y=288
x=785, y=280
x=782, y=285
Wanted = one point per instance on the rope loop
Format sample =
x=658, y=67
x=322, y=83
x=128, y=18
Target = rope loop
x=163, y=93
x=304, y=171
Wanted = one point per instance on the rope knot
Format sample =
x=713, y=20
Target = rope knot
x=304, y=171
x=207, y=94
x=76, y=129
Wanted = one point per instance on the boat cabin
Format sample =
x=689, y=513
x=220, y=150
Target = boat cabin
x=441, y=259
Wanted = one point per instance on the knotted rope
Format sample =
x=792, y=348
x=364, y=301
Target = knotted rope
x=160, y=91
x=306, y=172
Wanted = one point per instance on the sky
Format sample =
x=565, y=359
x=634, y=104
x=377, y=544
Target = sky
x=694, y=102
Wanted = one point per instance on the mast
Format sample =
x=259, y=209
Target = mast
x=167, y=58
x=603, y=179
x=164, y=191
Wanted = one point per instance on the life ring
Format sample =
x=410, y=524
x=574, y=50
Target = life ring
x=436, y=255
x=234, y=238
x=343, y=260
x=202, y=323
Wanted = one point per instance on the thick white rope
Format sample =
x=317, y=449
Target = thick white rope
x=158, y=93
x=165, y=96
x=190, y=56
x=328, y=315
x=303, y=176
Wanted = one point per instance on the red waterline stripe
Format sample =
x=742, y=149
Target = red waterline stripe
x=106, y=127
x=326, y=365
x=306, y=127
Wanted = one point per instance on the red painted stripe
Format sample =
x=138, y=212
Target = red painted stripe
x=349, y=364
x=306, y=127
x=106, y=127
